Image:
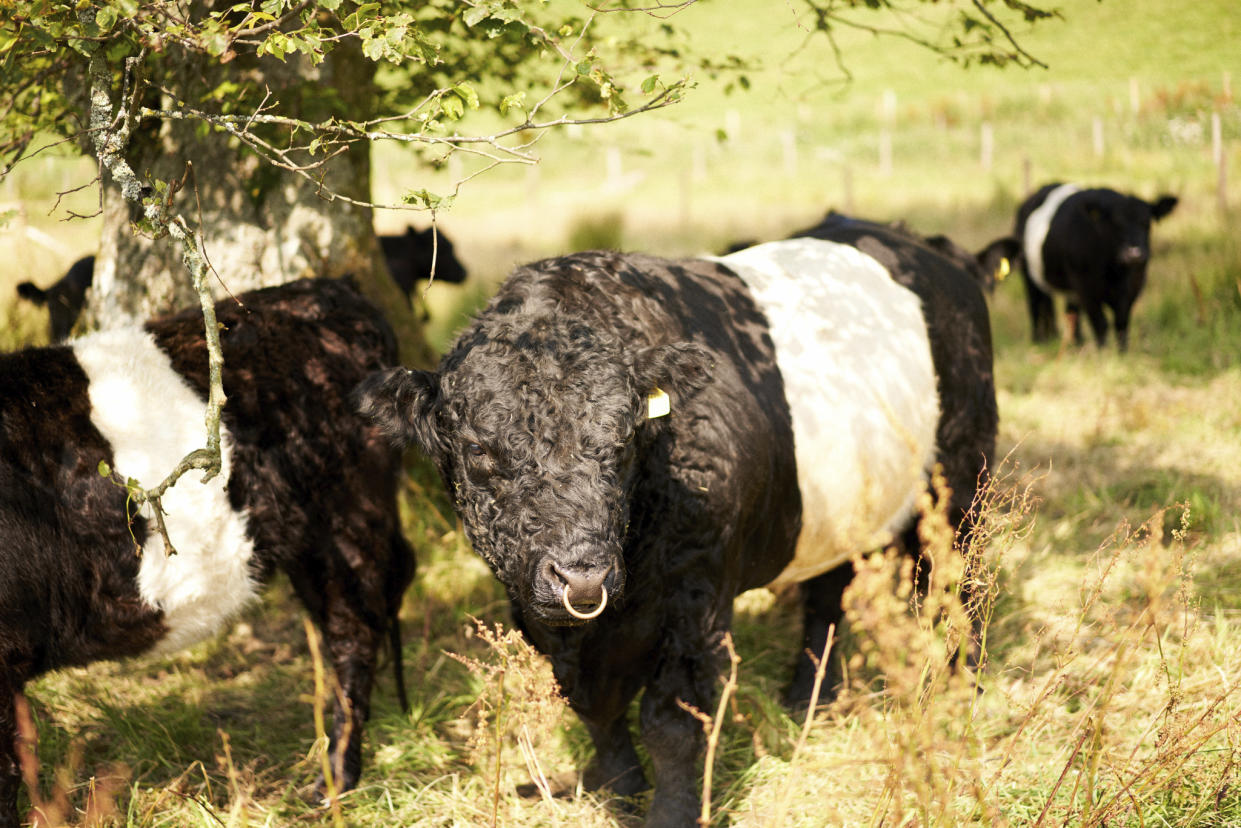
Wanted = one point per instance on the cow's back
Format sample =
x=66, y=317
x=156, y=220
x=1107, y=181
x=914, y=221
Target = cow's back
x=292, y=354
x=959, y=330
x=853, y=351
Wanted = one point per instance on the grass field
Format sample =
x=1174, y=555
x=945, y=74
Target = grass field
x=1114, y=556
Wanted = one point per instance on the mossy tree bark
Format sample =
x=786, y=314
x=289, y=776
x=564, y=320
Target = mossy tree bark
x=262, y=225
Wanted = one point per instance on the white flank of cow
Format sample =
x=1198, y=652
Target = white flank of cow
x=152, y=419
x=852, y=347
x=1037, y=226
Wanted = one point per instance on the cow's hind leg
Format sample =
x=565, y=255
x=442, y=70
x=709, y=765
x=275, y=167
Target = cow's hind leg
x=823, y=614
x=353, y=629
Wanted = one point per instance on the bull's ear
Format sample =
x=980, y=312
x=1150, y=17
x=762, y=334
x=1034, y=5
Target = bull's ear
x=997, y=257
x=679, y=369
x=1162, y=206
x=402, y=403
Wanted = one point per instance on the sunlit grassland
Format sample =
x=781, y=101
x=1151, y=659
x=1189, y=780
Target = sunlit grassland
x=1115, y=543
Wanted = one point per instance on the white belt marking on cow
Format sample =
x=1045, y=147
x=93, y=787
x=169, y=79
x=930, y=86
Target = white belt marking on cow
x=852, y=347
x=152, y=419
x=1037, y=225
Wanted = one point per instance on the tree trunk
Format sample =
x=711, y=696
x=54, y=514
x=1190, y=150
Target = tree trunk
x=262, y=225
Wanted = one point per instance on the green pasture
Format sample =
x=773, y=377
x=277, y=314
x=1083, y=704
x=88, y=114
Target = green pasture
x=1114, y=536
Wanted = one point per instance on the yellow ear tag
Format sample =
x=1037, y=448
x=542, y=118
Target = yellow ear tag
x=657, y=404
x=1002, y=270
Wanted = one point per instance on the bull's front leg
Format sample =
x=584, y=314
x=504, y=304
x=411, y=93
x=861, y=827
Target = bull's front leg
x=1098, y=322
x=10, y=761
x=616, y=766
x=600, y=692
x=688, y=672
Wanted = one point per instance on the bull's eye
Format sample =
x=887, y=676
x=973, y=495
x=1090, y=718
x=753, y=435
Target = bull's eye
x=475, y=450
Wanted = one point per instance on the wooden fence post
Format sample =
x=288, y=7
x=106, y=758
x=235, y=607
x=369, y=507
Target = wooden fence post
x=788, y=149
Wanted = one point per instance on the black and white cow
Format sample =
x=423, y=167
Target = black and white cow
x=410, y=257
x=64, y=298
x=1090, y=245
x=307, y=487
x=632, y=441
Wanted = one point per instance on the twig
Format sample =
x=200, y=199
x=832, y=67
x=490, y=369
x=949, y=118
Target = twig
x=110, y=132
x=712, y=725
x=820, y=670
x=1008, y=35
x=329, y=779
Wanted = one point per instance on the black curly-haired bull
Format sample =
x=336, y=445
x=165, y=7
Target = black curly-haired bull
x=622, y=533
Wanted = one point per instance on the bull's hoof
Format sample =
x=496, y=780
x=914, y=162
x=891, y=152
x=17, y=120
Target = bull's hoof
x=630, y=782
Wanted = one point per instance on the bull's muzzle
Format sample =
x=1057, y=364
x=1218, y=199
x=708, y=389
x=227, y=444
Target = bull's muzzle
x=1133, y=254
x=580, y=589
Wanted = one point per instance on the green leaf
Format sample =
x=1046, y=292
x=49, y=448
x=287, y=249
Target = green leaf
x=452, y=107
x=276, y=44
x=105, y=18
x=104, y=469
x=374, y=49
x=648, y=85
x=467, y=95
x=423, y=197
x=475, y=15
x=515, y=101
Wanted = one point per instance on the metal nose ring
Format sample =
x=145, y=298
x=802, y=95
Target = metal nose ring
x=585, y=616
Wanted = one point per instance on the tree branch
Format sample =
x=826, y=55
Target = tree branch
x=110, y=135
x=1008, y=35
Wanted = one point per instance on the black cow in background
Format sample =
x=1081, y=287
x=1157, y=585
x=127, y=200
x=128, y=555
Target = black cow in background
x=408, y=256
x=64, y=299
x=1090, y=245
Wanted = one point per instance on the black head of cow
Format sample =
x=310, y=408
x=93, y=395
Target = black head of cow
x=1121, y=223
x=537, y=427
x=421, y=254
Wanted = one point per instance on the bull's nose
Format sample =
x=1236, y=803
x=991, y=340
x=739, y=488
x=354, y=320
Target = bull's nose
x=1133, y=254
x=582, y=588
x=582, y=585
